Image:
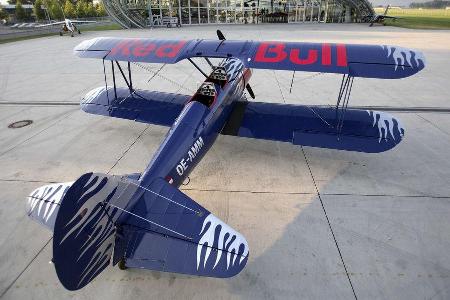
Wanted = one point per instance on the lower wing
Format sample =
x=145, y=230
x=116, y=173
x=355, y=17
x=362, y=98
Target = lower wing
x=143, y=106
x=324, y=127
x=80, y=22
x=51, y=24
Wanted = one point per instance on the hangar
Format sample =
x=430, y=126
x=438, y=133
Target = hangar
x=149, y=13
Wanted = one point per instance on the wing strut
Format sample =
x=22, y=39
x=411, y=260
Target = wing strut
x=130, y=87
x=106, y=82
x=344, y=96
x=198, y=68
x=114, y=80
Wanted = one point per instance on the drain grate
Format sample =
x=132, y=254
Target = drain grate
x=20, y=124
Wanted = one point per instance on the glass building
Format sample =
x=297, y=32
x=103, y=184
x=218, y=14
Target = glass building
x=148, y=13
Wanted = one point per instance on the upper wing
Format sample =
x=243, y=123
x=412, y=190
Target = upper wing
x=371, y=61
x=362, y=130
x=51, y=24
x=143, y=106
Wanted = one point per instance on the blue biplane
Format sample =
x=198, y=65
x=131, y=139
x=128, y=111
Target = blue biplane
x=144, y=220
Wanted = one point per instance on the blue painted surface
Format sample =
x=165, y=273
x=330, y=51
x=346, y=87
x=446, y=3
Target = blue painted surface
x=142, y=106
x=371, y=61
x=362, y=130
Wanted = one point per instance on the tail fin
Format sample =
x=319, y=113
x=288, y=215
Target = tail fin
x=85, y=225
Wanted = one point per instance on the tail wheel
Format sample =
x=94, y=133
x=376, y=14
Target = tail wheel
x=71, y=35
x=121, y=264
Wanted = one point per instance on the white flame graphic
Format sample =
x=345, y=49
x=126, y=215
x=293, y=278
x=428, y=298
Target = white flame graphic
x=229, y=242
x=233, y=66
x=385, y=124
x=50, y=195
x=102, y=228
x=91, y=95
x=402, y=55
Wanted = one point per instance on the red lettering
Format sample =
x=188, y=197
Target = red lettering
x=170, y=50
x=312, y=57
x=275, y=48
x=142, y=50
x=341, y=55
x=122, y=47
x=326, y=54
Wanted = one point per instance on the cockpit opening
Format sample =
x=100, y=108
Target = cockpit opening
x=206, y=94
x=219, y=75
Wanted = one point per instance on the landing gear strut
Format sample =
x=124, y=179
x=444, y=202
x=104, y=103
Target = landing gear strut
x=121, y=264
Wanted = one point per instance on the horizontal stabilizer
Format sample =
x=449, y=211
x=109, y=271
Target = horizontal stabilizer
x=168, y=231
x=43, y=203
x=359, y=130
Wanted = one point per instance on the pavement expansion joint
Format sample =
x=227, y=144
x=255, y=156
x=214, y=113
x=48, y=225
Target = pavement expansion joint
x=64, y=116
x=26, y=267
x=329, y=223
x=128, y=149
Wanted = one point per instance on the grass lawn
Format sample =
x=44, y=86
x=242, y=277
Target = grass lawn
x=22, y=38
x=418, y=18
x=421, y=22
x=112, y=26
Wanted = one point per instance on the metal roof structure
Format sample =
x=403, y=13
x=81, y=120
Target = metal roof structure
x=149, y=13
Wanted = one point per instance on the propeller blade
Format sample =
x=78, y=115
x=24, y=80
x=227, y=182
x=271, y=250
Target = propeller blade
x=220, y=35
x=250, y=91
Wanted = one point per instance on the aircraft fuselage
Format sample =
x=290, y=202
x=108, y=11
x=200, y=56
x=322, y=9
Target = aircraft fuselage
x=196, y=128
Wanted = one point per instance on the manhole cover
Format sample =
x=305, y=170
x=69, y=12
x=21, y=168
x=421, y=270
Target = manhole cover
x=20, y=124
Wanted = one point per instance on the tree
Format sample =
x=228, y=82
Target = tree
x=20, y=12
x=54, y=9
x=101, y=12
x=3, y=14
x=80, y=9
x=13, y=2
x=38, y=11
x=69, y=9
x=90, y=10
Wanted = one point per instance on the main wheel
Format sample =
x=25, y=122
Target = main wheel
x=79, y=32
x=121, y=264
x=60, y=33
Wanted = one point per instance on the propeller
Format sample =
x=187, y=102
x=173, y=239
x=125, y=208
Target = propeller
x=221, y=37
